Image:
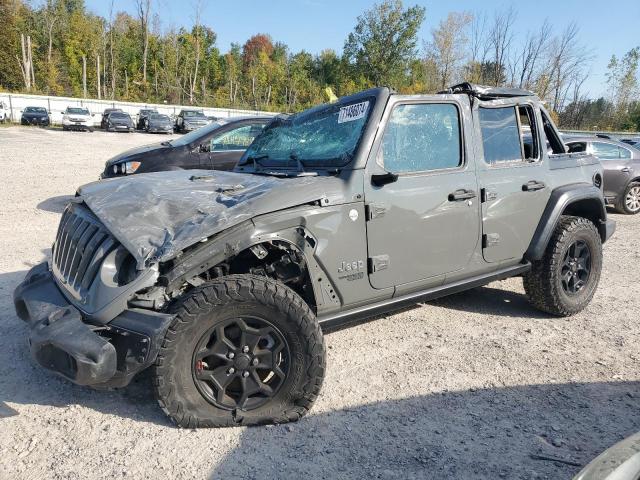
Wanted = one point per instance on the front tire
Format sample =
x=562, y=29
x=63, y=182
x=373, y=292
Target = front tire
x=629, y=202
x=564, y=281
x=242, y=350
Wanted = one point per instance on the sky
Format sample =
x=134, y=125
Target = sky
x=605, y=27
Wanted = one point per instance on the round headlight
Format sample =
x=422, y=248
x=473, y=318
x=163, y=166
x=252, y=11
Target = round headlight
x=115, y=168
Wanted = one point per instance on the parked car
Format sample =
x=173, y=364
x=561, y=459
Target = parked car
x=105, y=115
x=217, y=146
x=188, y=120
x=35, y=116
x=621, y=164
x=119, y=122
x=4, y=113
x=634, y=142
x=222, y=280
x=77, y=118
x=142, y=115
x=157, y=123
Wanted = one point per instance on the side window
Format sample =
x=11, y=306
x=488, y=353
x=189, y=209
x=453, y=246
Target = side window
x=605, y=151
x=529, y=133
x=500, y=135
x=624, y=153
x=421, y=137
x=237, y=139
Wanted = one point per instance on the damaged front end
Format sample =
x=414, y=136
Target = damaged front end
x=82, y=326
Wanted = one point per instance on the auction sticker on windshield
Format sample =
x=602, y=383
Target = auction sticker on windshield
x=353, y=112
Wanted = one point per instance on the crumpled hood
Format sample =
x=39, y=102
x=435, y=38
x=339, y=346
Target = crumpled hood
x=136, y=151
x=156, y=215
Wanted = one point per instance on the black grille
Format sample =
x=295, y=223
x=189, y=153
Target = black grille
x=81, y=245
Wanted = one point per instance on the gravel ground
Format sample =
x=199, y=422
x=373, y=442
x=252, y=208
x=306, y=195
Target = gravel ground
x=471, y=386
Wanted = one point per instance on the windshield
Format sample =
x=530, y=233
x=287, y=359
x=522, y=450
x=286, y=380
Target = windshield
x=35, y=110
x=159, y=117
x=323, y=136
x=192, y=114
x=196, y=135
x=119, y=115
x=78, y=111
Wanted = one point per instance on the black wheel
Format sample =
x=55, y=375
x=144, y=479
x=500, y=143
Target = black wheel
x=564, y=281
x=242, y=350
x=629, y=201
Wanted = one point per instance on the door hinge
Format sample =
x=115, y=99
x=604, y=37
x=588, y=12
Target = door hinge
x=487, y=195
x=378, y=263
x=490, y=240
x=373, y=210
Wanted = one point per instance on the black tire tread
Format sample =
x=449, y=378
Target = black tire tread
x=539, y=283
x=240, y=288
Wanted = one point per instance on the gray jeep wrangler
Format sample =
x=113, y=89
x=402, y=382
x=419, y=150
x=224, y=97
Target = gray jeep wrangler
x=222, y=282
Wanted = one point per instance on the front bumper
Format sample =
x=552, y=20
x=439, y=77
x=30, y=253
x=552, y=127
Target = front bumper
x=120, y=128
x=44, y=122
x=107, y=355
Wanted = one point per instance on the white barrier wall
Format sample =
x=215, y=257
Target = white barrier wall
x=16, y=103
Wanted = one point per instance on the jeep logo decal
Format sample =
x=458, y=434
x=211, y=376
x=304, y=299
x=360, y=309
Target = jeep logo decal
x=351, y=266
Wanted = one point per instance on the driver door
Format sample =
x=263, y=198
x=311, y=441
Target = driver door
x=423, y=221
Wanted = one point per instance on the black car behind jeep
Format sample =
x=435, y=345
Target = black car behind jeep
x=217, y=146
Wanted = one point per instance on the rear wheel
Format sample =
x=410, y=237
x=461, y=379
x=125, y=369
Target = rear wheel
x=629, y=203
x=564, y=281
x=242, y=350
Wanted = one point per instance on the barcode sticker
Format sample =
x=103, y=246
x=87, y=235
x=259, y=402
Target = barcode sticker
x=353, y=112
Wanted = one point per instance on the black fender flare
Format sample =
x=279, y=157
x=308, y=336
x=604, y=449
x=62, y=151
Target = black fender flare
x=579, y=199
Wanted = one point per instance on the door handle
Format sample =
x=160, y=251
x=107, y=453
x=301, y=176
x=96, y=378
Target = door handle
x=532, y=186
x=625, y=169
x=461, y=194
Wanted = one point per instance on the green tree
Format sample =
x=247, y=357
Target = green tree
x=384, y=41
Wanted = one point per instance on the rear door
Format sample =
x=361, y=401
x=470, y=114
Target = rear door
x=512, y=177
x=425, y=222
x=616, y=163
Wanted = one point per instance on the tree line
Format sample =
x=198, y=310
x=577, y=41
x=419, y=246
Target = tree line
x=58, y=47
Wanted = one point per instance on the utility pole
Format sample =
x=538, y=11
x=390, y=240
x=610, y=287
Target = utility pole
x=98, y=75
x=84, y=75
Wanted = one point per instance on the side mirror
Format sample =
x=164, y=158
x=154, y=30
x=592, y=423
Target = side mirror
x=380, y=179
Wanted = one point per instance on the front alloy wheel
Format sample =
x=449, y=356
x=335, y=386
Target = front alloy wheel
x=242, y=350
x=241, y=363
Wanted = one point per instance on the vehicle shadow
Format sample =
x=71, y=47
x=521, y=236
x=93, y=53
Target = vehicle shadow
x=55, y=204
x=513, y=432
x=491, y=301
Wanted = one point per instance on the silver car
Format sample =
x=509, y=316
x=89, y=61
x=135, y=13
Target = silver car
x=621, y=164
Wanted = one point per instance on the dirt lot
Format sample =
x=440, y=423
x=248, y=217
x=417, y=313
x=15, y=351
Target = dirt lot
x=466, y=387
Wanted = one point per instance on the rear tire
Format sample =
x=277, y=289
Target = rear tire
x=242, y=350
x=564, y=281
x=629, y=201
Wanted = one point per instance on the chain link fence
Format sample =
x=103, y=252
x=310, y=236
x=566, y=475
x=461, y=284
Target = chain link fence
x=14, y=104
